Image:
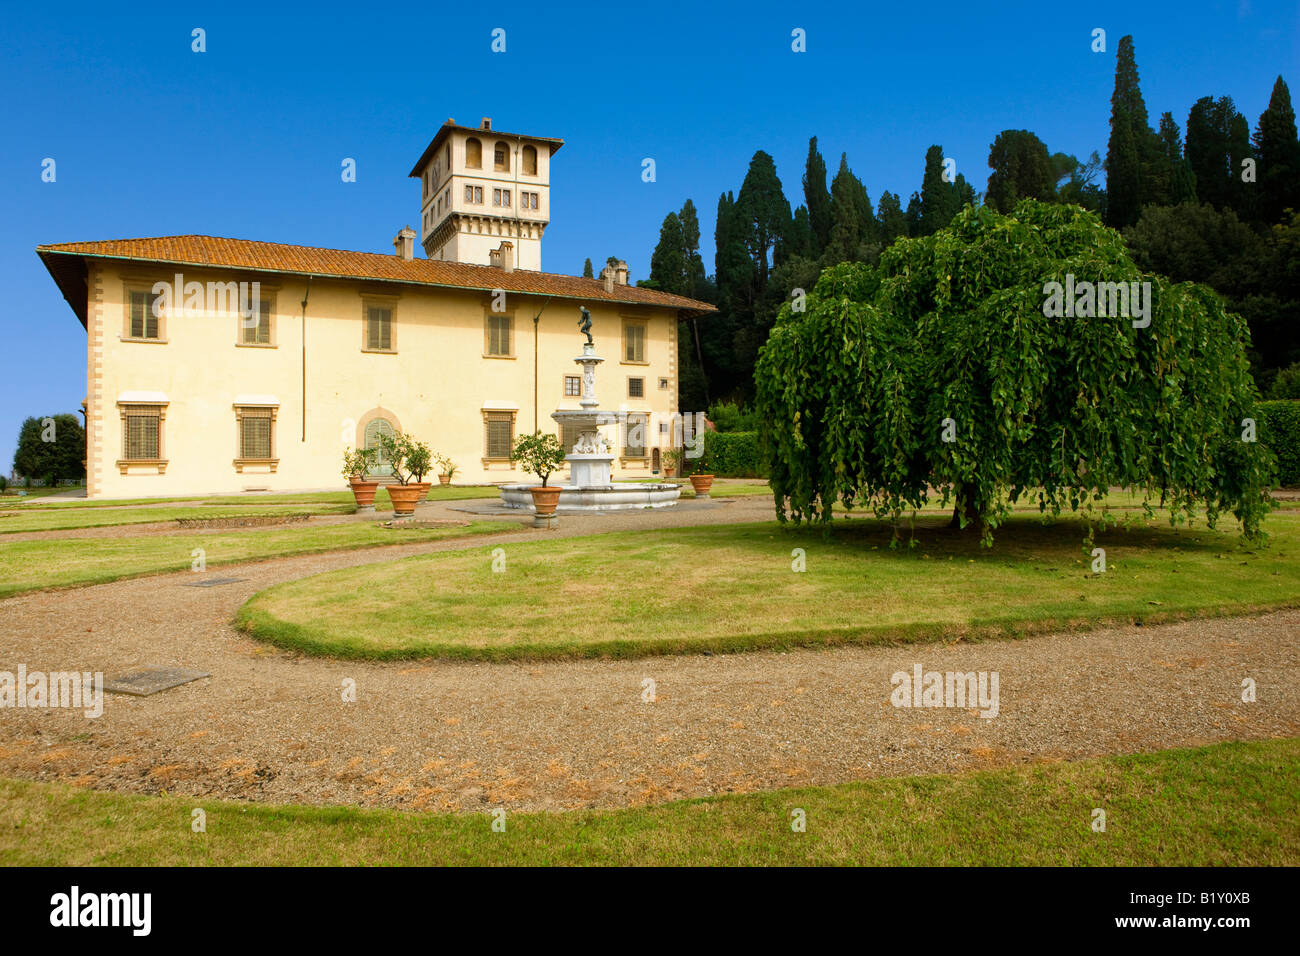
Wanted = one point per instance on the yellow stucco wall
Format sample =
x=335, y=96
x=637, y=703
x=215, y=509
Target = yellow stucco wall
x=435, y=385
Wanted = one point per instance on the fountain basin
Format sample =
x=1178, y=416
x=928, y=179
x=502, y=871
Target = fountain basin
x=621, y=496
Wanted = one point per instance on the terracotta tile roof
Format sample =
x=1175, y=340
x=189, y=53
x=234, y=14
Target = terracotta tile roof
x=65, y=261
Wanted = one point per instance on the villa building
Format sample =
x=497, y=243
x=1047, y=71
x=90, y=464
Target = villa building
x=227, y=365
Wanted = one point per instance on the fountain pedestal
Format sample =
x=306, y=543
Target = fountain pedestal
x=590, y=487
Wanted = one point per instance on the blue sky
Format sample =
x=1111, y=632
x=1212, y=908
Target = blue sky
x=246, y=140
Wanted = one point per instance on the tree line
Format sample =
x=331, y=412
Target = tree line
x=1216, y=207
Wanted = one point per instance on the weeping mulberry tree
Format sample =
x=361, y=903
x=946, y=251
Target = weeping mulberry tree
x=956, y=369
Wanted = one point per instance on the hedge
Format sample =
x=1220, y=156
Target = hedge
x=1279, y=431
x=733, y=455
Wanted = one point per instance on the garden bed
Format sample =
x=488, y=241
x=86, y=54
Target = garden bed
x=242, y=521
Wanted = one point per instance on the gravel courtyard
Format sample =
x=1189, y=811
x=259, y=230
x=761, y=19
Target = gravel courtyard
x=272, y=726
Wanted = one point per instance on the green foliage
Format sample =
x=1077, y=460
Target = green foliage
x=1218, y=139
x=855, y=394
x=1022, y=169
x=538, y=454
x=358, y=461
x=730, y=417
x=1279, y=433
x=1279, y=156
x=817, y=200
x=1128, y=134
x=732, y=455
x=410, y=459
x=587, y=271
x=1287, y=384
x=51, y=448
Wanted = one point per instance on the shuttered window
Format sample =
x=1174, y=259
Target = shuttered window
x=633, y=342
x=637, y=426
x=141, y=433
x=499, y=329
x=144, y=322
x=256, y=330
x=379, y=329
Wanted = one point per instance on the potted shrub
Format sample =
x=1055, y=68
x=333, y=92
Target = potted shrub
x=672, y=458
x=540, y=454
x=356, y=463
x=446, y=469
x=701, y=480
x=410, y=460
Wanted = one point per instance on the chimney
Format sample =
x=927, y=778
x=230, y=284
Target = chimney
x=503, y=257
x=487, y=123
x=620, y=272
x=607, y=276
x=404, y=243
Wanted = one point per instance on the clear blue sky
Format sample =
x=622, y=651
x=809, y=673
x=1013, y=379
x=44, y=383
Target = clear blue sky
x=246, y=139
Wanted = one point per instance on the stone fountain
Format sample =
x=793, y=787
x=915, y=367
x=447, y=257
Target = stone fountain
x=590, y=487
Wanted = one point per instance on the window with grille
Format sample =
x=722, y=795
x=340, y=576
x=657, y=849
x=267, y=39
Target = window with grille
x=256, y=330
x=636, y=388
x=500, y=428
x=144, y=320
x=501, y=158
x=379, y=329
x=498, y=334
x=572, y=386
x=474, y=194
x=634, y=443
x=255, y=433
x=633, y=342
x=501, y=197
x=142, y=433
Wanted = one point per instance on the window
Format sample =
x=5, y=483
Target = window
x=498, y=334
x=144, y=317
x=663, y=383
x=634, y=442
x=256, y=424
x=473, y=153
x=474, y=194
x=379, y=329
x=572, y=386
x=142, y=432
x=636, y=388
x=501, y=197
x=501, y=158
x=530, y=161
x=634, y=342
x=528, y=200
x=500, y=435
x=380, y=466
x=256, y=330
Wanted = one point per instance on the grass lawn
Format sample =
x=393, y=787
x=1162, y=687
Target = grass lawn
x=1227, y=805
x=732, y=587
x=436, y=493
x=63, y=562
x=65, y=518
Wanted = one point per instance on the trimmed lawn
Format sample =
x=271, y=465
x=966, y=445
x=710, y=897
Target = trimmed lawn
x=732, y=588
x=1230, y=804
x=65, y=562
x=65, y=518
x=436, y=493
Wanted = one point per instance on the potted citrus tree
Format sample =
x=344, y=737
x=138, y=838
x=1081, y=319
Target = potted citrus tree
x=356, y=463
x=446, y=469
x=410, y=461
x=672, y=458
x=540, y=454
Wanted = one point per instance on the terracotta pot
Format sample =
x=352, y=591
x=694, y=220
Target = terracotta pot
x=669, y=471
x=545, y=500
x=702, y=484
x=406, y=497
x=444, y=479
x=364, y=492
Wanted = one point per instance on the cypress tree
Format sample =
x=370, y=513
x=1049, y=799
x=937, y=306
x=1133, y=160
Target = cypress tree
x=587, y=272
x=817, y=198
x=1279, y=156
x=1214, y=150
x=763, y=213
x=1022, y=168
x=892, y=221
x=668, y=261
x=1129, y=133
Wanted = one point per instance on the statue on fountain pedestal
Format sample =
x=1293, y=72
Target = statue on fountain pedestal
x=584, y=325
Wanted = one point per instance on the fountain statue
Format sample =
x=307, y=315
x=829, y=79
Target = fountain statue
x=590, y=487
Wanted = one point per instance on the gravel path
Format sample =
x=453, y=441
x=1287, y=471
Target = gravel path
x=272, y=726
